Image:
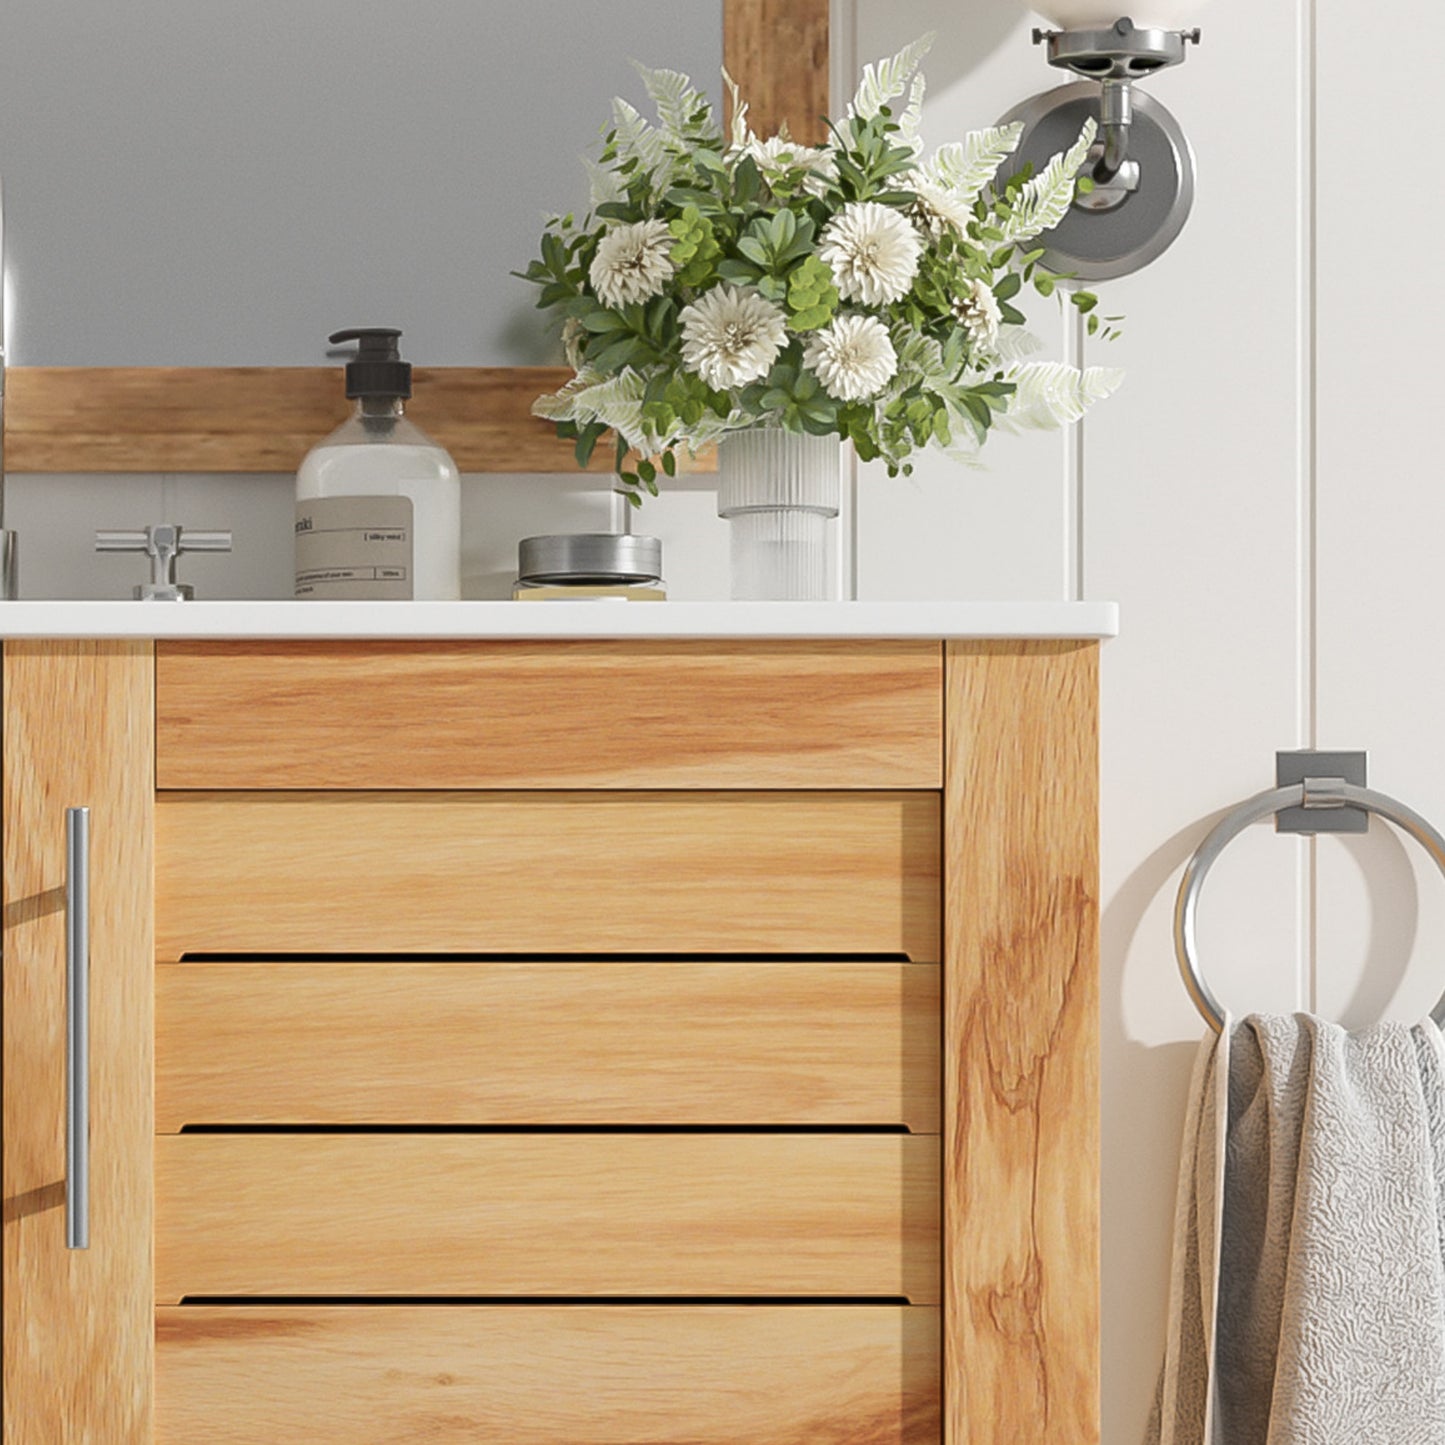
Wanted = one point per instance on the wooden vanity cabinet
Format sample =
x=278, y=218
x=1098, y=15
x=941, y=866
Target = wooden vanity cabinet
x=601, y=1042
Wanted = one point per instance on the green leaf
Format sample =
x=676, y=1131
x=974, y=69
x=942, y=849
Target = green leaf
x=810, y=320
x=615, y=356
x=747, y=181
x=669, y=462
x=753, y=249
x=1009, y=286
x=690, y=196
x=587, y=443
x=740, y=273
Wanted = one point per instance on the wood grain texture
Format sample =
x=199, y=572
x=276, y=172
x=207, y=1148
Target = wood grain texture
x=667, y=1215
x=266, y=418
x=584, y=873
x=1021, y=1131
x=549, y=715
x=547, y=1043
x=777, y=51
x=710, y=1375
x=77, y=1344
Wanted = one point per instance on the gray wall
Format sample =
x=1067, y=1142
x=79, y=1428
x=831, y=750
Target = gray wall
x=224, y=182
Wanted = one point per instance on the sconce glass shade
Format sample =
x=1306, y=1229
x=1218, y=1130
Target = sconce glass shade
x=1146, y=14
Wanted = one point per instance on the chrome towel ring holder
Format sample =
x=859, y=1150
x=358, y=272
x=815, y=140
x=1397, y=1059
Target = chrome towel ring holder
x=1312, y=793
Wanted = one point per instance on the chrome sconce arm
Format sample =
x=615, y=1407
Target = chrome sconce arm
x=1141, y=166
x=1116, y=58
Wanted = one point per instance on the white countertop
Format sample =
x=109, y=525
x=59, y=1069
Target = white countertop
x=559, y=619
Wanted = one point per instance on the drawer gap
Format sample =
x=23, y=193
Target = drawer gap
x=701, y=1128
x=367, y=1301
x=667, y=956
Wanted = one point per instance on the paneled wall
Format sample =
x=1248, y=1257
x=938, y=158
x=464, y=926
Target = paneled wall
x=1260, y=497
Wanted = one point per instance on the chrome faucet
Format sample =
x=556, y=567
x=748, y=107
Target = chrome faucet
x=163, y=545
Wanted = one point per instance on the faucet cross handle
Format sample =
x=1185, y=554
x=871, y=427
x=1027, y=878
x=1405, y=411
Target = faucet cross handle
x=163, y=544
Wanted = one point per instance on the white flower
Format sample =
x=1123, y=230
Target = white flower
x=778, y=156
x=853, y=357
x=978, y=310
x=873, y=252
x=937, y=207
x=731, y=336
x=632, y=262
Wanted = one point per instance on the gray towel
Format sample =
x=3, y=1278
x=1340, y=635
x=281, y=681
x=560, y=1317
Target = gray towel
x=1307, y=1302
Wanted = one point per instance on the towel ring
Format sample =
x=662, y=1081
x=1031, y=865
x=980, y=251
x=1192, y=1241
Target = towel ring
x=1312, y=793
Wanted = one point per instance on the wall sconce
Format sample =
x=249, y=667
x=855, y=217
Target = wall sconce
x=1141, y=164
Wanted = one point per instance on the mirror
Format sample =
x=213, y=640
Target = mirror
x=223, y=184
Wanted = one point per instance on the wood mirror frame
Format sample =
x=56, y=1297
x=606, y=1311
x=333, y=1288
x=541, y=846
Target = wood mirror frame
x=264, y=418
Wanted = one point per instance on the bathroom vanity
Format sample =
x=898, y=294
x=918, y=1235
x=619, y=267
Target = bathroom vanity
x=578, y=1022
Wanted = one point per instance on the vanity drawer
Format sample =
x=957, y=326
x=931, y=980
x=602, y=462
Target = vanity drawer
x=646, y=714
x=469, y=1215
x=595, y=1042
x=718, y=873
x=538, y=1375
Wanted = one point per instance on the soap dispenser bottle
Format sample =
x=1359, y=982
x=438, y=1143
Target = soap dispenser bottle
x=378, y=502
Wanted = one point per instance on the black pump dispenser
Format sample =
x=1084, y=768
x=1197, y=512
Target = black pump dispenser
x=378, y=369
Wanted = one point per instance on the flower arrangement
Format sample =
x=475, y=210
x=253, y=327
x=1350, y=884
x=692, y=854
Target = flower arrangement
x=855, y=289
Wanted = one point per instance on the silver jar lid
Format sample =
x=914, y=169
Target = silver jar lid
x=583, y=558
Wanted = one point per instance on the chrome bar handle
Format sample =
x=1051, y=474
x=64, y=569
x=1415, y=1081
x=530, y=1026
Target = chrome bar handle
x=77, y=1028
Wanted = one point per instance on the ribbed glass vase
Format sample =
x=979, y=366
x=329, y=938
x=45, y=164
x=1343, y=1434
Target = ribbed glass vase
x=779, y=490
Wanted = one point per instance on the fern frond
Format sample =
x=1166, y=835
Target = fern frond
x=920, y=358
x=615, y=401
x=1045, y=200
x=636, y=138
x=559, y=405
x=1050, y=394
x=912, y=117
x=677, y=100
x=1014, y=343
x=741, y=135
x=603, y=183
x=965, y=167
x=888, y=79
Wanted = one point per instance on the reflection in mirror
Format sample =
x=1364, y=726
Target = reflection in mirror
x=224, y=184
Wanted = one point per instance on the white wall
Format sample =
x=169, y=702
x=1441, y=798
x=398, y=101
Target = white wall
x=1260, y=497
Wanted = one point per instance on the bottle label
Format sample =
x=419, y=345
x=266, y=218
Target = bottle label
x=354, y=548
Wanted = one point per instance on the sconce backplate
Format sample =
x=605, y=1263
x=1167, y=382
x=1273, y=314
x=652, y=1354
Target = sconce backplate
x=1097, y=245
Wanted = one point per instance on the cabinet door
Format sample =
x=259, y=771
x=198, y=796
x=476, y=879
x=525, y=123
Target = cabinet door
x=78, y=732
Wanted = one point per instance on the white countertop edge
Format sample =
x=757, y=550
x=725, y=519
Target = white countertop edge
x=799, y=620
